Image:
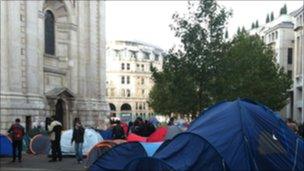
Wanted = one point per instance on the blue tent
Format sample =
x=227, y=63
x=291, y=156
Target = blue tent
x=6, y=149
x=237, y=135
x=120, y=155
x=107, y=134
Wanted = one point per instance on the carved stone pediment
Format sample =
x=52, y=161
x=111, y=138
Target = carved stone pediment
x=60, y=92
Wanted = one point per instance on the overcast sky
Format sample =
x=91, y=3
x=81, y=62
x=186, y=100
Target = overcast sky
x=149, y=21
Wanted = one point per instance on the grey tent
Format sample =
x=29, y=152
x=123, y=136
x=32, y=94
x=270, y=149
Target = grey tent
x=172, y=131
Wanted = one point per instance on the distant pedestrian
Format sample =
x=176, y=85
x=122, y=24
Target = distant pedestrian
x=292, y=125
x=16, y=132
x=78, y=137
x=171, y=121
x=54, y=130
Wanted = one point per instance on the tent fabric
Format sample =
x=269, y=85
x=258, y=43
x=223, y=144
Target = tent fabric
x=249, y=136
x=188, y=151
x=158, y=135
x=107, y=134
x=98, y=150
x=91, y=137
x=235, y=135
x=151, y=147
x=136, y=138
x=6, y=149
x=148, y=164
x=173, y=130
x=40, y=144
x=118, y=157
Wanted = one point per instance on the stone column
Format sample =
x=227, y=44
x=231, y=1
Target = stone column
x=91, y=74
x=83, y=43
x=32, y=63
x=4, y=47
x=102, y=49
x=15, y=51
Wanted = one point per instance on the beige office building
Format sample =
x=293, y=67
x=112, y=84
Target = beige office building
x=129, y=77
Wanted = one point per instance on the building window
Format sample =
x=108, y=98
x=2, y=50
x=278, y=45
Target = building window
x=122, y=79
x=128, y=66
x=156, y=57
x=289, y=73
x=136, y=105
x=128, y=79
x=122, y=93
x=142, y=81
x=122, y=66
x=143, y=92
x=128, y=93
x=137, y=67
x=142, y=67
x=133, y=54
x=49, y=33
x=289, y=56
x=146, y=55
x=117, y=53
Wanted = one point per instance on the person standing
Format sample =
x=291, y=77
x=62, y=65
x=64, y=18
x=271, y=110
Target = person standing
x=78, y=137
x=55, y=129
x=16, y=132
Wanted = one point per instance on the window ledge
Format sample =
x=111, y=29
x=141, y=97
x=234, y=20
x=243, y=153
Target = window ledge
x=50, y=56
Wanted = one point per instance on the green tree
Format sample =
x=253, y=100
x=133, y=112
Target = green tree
x=283, y=10
x=249, y=71
x=252, y=26
x=256, y=24
x=271, y=16
x=202, y=37
x=226, y=34
x=267, y=19
x=164, y=97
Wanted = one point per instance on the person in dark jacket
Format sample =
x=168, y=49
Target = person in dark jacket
x=54, y=130
x=78, y=137
x=16, y=132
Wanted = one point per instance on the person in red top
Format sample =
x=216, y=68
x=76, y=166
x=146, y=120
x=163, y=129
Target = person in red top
x=16, y=132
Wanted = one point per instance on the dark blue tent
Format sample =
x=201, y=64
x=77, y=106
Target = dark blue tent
x=238, y=135
x=119, y=156
x=6, y=149
x=107, y=134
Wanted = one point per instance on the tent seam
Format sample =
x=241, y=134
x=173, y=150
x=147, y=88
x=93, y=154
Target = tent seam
x=244, y=135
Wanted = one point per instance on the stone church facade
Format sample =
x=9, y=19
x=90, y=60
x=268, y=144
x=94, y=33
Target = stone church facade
x=53, y=62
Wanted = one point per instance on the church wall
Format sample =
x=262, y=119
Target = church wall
x=78, y=64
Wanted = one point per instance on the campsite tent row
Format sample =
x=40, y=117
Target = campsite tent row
x=40, y=144
x=237, y=135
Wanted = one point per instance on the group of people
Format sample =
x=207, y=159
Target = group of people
x=54, y=128
x=139, y=127
x=298, y=129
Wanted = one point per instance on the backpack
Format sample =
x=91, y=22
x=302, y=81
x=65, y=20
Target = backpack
x=17, y=132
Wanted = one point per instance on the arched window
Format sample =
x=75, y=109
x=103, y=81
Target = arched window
x=125, y=107
x=49, y=33
x=112, y=107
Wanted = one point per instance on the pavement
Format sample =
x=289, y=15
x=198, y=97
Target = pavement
x=40, y=163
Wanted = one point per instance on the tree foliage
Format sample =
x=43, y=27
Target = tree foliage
x=207, y=68
x=283, y=10
x=202, y=37
x=271, y=16
x=267, y=19
x=249, y=71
